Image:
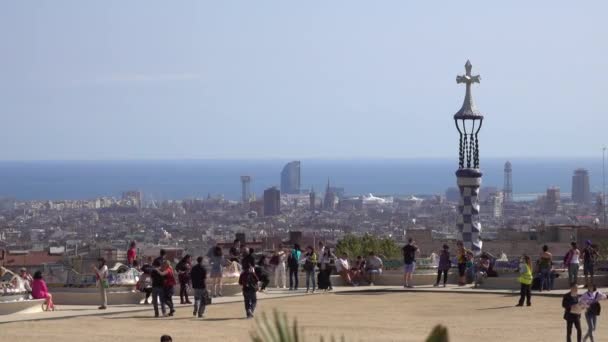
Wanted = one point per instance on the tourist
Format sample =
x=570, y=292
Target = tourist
x=590, y=255
x=482, y=268
x=374, y=267
x=217, y=262
x=545, y=266
x=249, y=282
x=26, y=278
x=343, y=269
x=525, y=280
x=591, y=299
x=325, y=261
x=169, y=285
x=161, y=257
x=444, y=265
x=101, y=273
x=131, y=254
x=145, y=281
x=358, y=272
x=571, y=262
x=248, y=259
x=198, y=275
x=462, y=256
x=235, y=251
x=321, y=250
x=572, y=312
x=183, y=268
x=261, y=271
x=166, y=338
x=280, y=276
x=310, y=262
x=41, y=291
x=158, y=288
x=409, y=261
x=293, y=263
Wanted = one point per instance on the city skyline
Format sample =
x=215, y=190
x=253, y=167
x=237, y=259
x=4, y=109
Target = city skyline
x=270, y=80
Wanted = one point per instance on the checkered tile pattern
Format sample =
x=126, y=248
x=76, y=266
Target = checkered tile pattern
x=468, y=224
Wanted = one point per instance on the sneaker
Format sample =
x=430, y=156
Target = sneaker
x=529, y=304
x=443, y=285
x=194, y=313
x=102, y=307
x=519, y=305
x=171, y=313
x=201, y=316
x=436, y=285
x=371, y=284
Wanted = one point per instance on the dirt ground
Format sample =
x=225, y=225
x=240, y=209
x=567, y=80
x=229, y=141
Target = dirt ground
x=359, y=317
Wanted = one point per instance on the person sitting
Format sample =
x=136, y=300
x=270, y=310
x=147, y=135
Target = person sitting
x=358, y=271
x=40, y=291
x=481, y=271
x=343, y=268
x=374, y=267
x=27, y=279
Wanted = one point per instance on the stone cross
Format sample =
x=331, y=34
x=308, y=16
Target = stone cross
x=468, y=78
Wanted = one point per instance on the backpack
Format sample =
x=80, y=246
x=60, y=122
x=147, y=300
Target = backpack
x=292, y=260
x=251, y=282
x=595, y=308
x=309, y=265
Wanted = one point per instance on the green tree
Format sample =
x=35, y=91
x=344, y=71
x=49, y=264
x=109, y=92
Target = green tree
x=354, y=245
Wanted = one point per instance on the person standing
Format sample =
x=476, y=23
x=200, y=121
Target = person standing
x=589, y=257
x=217, y=262
x=198, y=275
x=161, y=257
x=525, y=280
x=545, y=266
x=168, y=287
x=293, y=263
x=280, y=276
x=591, y=299
x=409, y=261
x=325, y=262
x=444, y=265
x=145, y=281
x=571, y=262
x=249, y=282
x=131, y=253
x=310, y=262
x=570, y=303
x=462, y=256
x=235, y=251
x=101, y=273
x=248, y=258
x=158, y=288
x=183, y=269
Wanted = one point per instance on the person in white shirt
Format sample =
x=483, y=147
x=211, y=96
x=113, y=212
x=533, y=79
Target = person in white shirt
x=571, y=262
x=343, y=268
x=101, y=272
x=280, y=275
x=591, y=300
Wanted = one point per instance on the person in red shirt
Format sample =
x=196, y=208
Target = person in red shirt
x=131, y=254
x=40, y=291
x=167, y=271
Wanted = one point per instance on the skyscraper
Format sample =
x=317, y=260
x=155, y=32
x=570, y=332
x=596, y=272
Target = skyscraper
x=290, y=178
x=508, y=188
x=272, y=202
x=552, y=200
x=580, y=187
x=312, y=198
x=245, y=189
x=468, y=121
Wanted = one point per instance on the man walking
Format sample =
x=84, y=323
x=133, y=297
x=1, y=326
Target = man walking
x=409, y=260
x=198, y=275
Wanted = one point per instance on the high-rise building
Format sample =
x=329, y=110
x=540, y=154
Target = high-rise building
x=330, y=201
x=508, y=187
x=245, y=189
x=290, y=178
x=312, y=197
x=580, y=187
x=133, y=197
x=272, y=202
x=552, y=200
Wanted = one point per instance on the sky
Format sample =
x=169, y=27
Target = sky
x=82, y=80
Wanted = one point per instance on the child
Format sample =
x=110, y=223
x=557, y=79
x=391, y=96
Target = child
x=249, y=281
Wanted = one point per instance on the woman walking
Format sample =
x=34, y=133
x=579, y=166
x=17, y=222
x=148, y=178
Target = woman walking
x=217, y=266
x=444, y=265
x=310, y=262
x=572, y=313
x=591, y=299
x=183, y=269
x=101, y=273
x=293, y=262
x=525, y=280
x=168, y=286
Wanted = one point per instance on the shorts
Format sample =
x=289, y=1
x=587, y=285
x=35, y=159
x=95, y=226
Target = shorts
x=588, y=269
x=409, y=268
x=462, y=267
x=374, y=271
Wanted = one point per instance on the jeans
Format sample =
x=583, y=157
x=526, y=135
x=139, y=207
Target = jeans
x=200, y=296
x=445, y=276
x=293, y=278
x=168, y=292
x=573, y=273
x=158, y=293
x=251, y=299
x=524, y=293
x=183, y=292
x=591, y=324
x=577, y=324
x=310, y=277
x=545, y=279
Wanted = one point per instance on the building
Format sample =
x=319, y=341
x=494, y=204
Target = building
x=330, y=201
x=312, y=197
x=133, y=198
x=552, y=200
x=508, y=187
x=452, y=195
x=580, y=187
x=245, y=189
x=272, y=202
x=290, y=178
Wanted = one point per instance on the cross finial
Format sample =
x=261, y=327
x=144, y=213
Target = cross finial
x=468, y=78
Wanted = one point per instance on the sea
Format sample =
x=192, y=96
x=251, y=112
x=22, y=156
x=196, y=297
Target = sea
x=183, y=179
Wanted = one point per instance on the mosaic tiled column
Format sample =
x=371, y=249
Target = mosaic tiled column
x=468, y=225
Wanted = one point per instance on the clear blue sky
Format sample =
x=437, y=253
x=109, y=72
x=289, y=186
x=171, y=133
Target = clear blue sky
x=285, y=79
